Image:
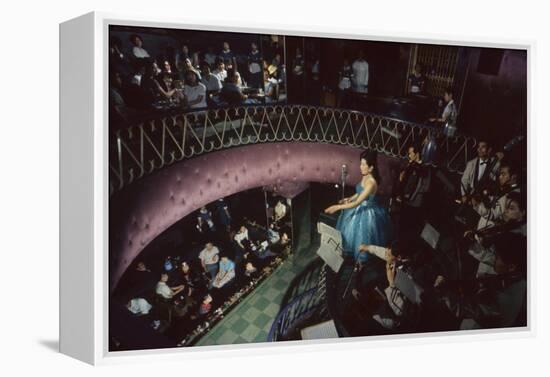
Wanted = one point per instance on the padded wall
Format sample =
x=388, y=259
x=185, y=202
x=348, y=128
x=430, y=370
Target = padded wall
x=149, y=206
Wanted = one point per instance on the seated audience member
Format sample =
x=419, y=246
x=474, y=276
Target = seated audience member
x=167, y=69
x=206, y=305
x=272, y=234
x=209, y=257
x=271, y=85
x=416, y=80
x=220, y=71
x=183, y=305
x=261, y=250
x=250, y=270
x=492, y=204
x=139, y=306
x=228, y=57
x=164, y=290
x=204, y=221
x=480, y=171
x=166, y=88
x=210, y=57
x=189, y=278
x=503, y=303
x=212, y=82
x=187, y=67
x=194, y=91
x=138, y=51
x=241, y=237
x=231, y=91
x=168, y=265
x=226, y=272
x=117, y=106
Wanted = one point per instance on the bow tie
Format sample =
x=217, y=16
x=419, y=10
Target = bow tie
x=483, y=162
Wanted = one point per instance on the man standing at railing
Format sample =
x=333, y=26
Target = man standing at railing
x=360, y=78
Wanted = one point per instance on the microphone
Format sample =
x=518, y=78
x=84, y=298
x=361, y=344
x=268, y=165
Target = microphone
x=344, y=172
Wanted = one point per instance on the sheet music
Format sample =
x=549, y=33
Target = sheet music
x=325, y=229
x=430, y=235
x=331, y=256
x=408, y=287
x=323, y=330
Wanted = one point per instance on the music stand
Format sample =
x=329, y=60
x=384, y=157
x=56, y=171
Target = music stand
x=406, y=285
x=330, y=250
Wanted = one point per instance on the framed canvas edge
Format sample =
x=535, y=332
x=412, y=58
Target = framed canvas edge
x=101, y=193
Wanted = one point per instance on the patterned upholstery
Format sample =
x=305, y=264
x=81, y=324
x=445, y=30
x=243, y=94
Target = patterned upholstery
x=149, y=206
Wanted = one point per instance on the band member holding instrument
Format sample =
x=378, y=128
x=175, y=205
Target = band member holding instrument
x=480, y=171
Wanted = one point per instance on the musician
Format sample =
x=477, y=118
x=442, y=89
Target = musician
x=396, y=256
x=502, y=301
x=511, y=221
x=480, y=171
x=492, y=206
x=414, y=184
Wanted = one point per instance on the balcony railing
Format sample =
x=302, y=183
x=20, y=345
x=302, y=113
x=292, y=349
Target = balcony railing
x=142, y=149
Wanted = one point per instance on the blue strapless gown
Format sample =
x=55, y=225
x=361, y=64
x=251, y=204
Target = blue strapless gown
x=368, y=223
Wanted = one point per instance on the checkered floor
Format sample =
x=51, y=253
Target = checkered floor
x=251, y=320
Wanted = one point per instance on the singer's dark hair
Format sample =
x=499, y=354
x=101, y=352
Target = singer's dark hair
x=371, y=157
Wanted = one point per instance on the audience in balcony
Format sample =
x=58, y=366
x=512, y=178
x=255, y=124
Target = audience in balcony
x=360, y=77
x=449, y=115
x=255, y=69
x=194, y=91
x=220, y=72
x=138, y=51
x=416, y=80
x=211, y=81
x=228, y=57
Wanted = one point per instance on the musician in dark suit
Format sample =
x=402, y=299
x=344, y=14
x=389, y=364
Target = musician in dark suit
x=479, y=171
x=412, y=189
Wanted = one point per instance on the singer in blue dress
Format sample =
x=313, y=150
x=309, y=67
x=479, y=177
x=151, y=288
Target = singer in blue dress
x=363, y=220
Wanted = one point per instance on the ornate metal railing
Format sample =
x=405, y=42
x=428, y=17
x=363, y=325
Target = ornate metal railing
x=139, y=150
x=306, y=301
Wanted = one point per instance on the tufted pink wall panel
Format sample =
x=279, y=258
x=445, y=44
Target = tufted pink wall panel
x=151, y=205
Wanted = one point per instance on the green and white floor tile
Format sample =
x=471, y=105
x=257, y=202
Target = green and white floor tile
x=251, y=320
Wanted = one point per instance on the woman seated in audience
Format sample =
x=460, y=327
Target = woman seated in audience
x=226, y=272
x=166, y=89
x=194, y=91
x=212, y=82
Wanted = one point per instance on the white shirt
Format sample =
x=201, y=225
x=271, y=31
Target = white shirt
x=140, y=52
x=212, y=82
x=209, y=256
x=139, y=306
x=222, y=75
x=239, y=237
x=164, y=290
x=481, y=168
x=136, y=80
x=360, y=76
x=194, y=92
